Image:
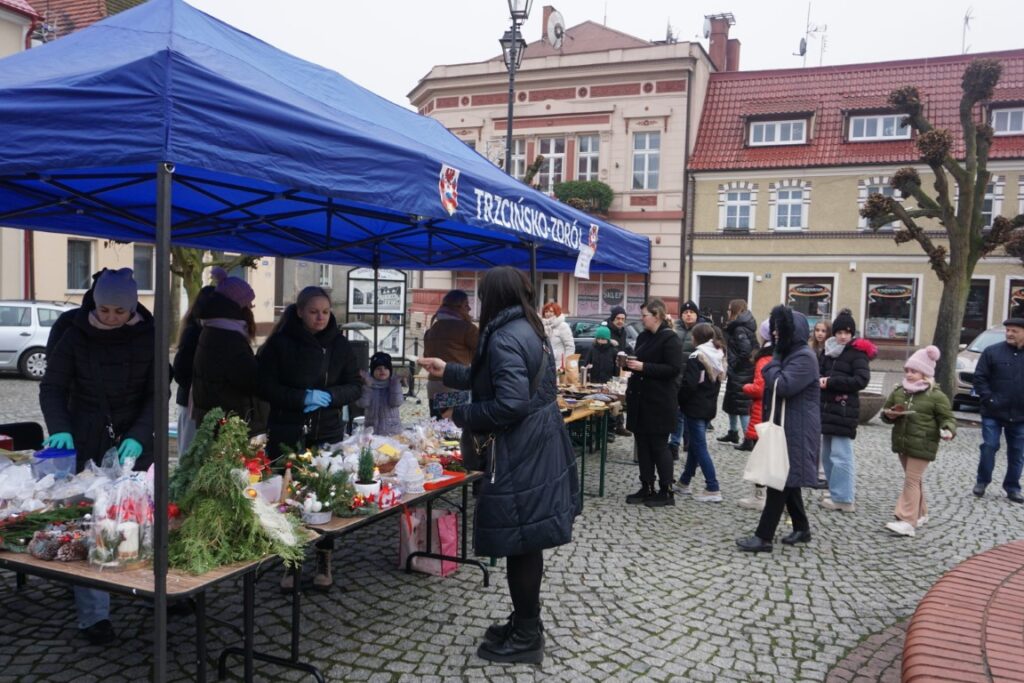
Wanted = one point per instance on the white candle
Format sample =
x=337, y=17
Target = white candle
x=129, y=548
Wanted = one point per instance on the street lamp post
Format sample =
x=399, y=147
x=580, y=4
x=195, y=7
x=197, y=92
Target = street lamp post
x=512, y=48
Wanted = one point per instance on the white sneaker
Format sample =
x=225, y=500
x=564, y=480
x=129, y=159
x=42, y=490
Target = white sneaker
x=900, y=527
x=709, y=497
x=830, y=504
x=922, y=520
x=754, y=502
x=681, y=488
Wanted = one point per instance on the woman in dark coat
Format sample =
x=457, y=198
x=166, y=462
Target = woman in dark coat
x=97, y=394
x=530, y=496
x=741, y=337
x=795, y=369
x=308, y=373
x=652, y=402
x=844, y=372
x=224, y=373
x=184, y=357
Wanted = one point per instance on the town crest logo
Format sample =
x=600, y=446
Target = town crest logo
x=448, y=187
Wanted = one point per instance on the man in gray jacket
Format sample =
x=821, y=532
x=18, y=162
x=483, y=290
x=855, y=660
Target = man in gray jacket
x=998, y=378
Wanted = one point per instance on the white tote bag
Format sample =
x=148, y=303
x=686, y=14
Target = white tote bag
x=768, y=463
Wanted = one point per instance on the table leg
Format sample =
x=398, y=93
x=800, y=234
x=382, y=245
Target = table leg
x=248, y=623
x=604, y=450
x=200, y=613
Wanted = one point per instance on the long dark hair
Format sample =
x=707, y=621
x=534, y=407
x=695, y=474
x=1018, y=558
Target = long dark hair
x=704, y=332
x=503, y=287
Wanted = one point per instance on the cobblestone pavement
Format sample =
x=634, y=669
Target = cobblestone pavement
x=641, y=594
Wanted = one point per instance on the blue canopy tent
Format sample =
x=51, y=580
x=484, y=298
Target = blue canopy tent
x=163, y=124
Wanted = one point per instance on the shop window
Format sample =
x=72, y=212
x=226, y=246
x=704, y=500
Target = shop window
x=976, y=313
x=891, y=309
x=596, y=297
x=811, y=296
x=79, y=265
x=1015, y=301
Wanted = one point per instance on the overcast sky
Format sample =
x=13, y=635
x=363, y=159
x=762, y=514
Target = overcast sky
x=388, y=45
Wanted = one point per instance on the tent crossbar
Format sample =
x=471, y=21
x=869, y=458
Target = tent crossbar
x=228, y=206
x=89, y=197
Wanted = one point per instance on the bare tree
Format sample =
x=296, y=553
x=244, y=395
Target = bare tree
x=187, y=267
x=960, y=187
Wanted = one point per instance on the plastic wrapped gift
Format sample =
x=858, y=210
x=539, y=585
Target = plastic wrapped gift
x=123, y=522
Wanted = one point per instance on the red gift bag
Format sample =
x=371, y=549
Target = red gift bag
x=413, y=538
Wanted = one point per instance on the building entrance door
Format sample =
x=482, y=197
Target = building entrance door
x=715, y=293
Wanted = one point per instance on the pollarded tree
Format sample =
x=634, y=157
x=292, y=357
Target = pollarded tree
x=957, y=202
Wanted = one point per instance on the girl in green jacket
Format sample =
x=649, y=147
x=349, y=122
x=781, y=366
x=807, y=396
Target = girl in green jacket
x=920, y=415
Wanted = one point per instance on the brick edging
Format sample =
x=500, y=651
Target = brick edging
x=969, y=626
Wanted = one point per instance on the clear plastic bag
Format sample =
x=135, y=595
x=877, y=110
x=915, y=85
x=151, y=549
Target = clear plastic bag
x=122, y=530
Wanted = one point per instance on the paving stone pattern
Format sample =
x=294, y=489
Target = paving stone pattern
x=640, y=595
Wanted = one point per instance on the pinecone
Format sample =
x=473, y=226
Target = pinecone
x=43, y=546
x=72, y=551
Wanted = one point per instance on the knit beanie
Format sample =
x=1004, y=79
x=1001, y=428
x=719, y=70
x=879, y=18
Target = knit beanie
x=602, y=332
x=116, y=288
x=923, y=360
x=218, y=275
x=380, y=359
x=238, y=290
x=553, y=307
x=844, y=322
x=765, y=330
x=617, y=310
x=689, y=306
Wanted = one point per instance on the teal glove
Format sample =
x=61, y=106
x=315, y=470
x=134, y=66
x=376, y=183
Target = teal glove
x=60, y=440
x=130, y=449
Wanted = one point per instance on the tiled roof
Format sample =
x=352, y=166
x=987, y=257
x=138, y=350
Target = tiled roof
x=734, y=96
x=19, y=6
x=67, y=16
x=586, y=37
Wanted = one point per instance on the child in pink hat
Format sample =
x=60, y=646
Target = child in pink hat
x=920, y=416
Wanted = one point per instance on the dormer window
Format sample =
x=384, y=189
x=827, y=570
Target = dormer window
x=791, y=132
x=878, y=127
x=1009, y=121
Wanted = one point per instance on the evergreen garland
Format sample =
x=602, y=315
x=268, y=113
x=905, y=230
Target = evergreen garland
x=221, y=525
x=191, y=459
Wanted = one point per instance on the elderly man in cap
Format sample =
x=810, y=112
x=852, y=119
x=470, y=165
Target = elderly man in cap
x=998, y=379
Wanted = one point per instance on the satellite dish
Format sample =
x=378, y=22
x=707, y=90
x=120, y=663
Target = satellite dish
x=707, y=27
x=803, y=46
x=555, y=29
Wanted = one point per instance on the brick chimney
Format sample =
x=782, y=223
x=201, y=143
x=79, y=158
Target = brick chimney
x=724, y=53
x=548, y=9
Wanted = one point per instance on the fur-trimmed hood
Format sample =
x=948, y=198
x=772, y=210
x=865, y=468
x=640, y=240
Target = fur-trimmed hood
x=792, y=328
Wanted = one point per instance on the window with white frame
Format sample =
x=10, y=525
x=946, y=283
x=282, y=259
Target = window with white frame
x=587, y=157
x=793, y=132
x=79, y=265
x=738, y=209
x=789, y=201
x=142, y=263
x=646, y=160
x=878, y=127
x=518, y=158
x=989, y=205
x=324, y=274
x=551, y=172
x=877, y=185
x=1009, y=121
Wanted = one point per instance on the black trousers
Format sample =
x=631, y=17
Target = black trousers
x=652, y=453
x=789, y=498
x=524, y=576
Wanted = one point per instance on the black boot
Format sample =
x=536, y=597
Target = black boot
x=673, y=448
x=496, y=633
x=747, y=445
x=646, y=491
x=524, y=643
x=730, y=437
x=664, y=497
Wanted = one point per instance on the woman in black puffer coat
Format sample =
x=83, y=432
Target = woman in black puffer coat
x=224, y=373
x=741, y=338
x=845, y=370
x=652, y=403
x=530, y=496
x=184, y=357
x=308, y=373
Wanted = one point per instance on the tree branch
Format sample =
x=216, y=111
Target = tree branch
x=936, y=253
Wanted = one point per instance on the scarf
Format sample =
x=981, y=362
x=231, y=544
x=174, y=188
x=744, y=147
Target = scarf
x=376, y=384
x=551, y=323
x=916, y=387
x=100, y=325
x=833, y=348
x=711, y=357
x=230, y=324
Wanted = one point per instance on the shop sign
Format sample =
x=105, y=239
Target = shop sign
x=810, y=289
x=612, y=296
x=891, y=291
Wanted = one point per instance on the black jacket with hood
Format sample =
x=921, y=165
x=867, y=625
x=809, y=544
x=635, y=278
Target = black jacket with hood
x=652, y=403
x=741, y=340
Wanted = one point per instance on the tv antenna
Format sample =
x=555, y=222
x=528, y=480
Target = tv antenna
x=811, y=31
x=967, y=27
x=555, y=30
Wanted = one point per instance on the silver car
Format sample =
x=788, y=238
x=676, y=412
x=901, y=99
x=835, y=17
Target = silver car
x=24, y=328
x=966, y=362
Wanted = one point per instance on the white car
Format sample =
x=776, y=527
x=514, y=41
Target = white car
x=966, y=361
x=24, y=329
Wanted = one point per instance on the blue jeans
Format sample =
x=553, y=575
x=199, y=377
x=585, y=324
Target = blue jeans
x=837, y=454
x=698, y=454
x=738, y=423
x=677, y=436
x=990, y=431
x=92, y=606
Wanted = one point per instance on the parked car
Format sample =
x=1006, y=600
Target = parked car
x=966, y=361
x=583, y=333
x=24, y=328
